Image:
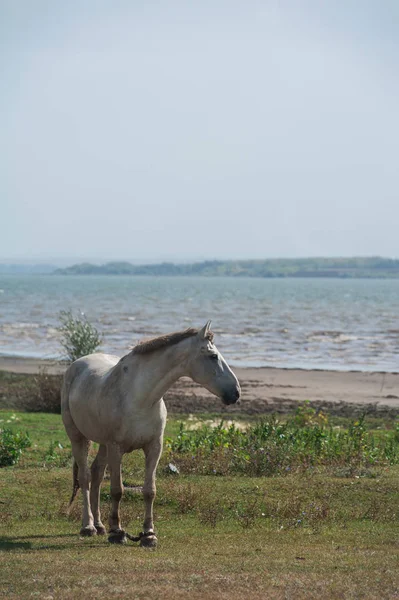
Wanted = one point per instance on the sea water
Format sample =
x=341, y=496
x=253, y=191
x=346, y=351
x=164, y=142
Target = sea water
x=307, y=323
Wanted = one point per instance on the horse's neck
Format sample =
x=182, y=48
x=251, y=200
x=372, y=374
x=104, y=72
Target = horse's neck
x=156, y=372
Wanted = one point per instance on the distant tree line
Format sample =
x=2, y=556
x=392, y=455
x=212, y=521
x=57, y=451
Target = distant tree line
x=276, y=267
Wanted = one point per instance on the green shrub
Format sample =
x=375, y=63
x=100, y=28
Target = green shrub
x=78, y=336
x=11, y=445
x=270, y=447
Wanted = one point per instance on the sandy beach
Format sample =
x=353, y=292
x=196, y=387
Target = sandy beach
x=270, y=390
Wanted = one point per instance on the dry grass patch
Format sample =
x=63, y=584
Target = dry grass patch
x=348, y=551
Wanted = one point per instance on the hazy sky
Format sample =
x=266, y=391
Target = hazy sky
x=182, y=130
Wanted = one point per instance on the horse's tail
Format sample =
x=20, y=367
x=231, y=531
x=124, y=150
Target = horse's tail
x=75, y=484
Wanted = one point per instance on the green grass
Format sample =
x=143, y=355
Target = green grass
x=307, y=534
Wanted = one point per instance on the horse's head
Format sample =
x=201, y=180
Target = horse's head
x=208, y=368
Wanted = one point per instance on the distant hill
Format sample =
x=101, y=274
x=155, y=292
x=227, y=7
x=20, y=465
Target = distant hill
x=371, y=267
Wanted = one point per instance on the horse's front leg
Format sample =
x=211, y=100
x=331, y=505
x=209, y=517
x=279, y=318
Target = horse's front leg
x=97, y=475
x=114, y=458
x=152, y=453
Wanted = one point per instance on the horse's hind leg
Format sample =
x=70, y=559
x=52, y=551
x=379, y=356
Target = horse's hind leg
x=97, y=474
x=80, y=450
x=116, y=534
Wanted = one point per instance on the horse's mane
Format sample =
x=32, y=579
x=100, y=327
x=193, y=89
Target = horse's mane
x=164, y=341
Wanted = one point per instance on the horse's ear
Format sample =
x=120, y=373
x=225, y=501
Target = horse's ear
x=203, y=333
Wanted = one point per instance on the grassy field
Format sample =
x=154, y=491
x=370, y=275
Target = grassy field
x=321, y=532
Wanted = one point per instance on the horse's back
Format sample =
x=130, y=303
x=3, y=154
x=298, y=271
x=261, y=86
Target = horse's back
x=88, y=368
x=98, y=363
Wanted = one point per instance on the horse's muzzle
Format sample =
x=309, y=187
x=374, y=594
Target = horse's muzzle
x=232, y=397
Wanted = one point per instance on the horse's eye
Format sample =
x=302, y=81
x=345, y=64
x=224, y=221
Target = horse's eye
x=214, y=356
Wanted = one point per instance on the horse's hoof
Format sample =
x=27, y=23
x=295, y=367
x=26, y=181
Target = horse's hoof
x=100, y=529
x=88, y=531
x=117, y=537
x=149, y=541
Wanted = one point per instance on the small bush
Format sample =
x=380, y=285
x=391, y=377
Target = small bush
x=11, y=445
x=78, y=336
x=211, y=513
x=187, y=498
x=247, y=513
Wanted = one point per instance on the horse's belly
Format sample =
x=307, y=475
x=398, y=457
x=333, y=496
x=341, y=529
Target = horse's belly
x=90, y=425
x=130, y=431
x=143, y=430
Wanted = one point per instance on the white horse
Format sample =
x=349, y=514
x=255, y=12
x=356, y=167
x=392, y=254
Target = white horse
x=118, y=404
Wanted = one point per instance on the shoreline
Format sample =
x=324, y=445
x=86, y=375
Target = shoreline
x=30, y=365
x=265, y=389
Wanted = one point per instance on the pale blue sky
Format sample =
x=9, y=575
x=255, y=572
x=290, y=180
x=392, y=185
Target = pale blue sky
x=187, y=130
